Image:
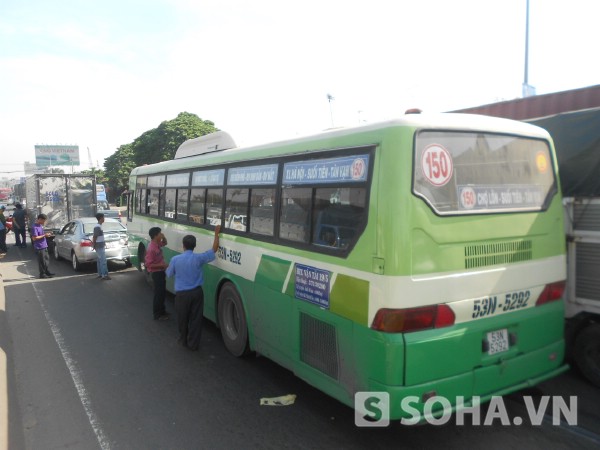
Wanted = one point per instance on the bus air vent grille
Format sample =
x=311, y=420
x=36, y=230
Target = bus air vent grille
x=482, y=255
x=318, y=345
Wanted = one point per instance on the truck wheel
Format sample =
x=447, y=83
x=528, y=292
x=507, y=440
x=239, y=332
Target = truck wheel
x=232, y=320
x=587, y=353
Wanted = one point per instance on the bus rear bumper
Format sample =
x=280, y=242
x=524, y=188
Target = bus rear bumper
x=482, y=383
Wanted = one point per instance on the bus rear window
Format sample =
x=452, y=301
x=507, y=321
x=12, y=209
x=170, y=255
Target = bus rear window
x=469, y=173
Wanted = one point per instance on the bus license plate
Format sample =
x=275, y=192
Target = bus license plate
x=498, y=341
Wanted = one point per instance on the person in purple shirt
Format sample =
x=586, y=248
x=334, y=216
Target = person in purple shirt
x=189, y=296
x=40, y=244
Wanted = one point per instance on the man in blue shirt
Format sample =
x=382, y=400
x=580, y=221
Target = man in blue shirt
x=189, y=297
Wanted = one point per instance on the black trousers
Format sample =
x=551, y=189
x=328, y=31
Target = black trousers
x=3, y=240
x=43, y=259
x=20, y=239
x=160, y=290
x=189, y=306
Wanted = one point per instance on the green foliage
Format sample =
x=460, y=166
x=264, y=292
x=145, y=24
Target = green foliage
x=101, y=177
x=118, y=166
x=152, y=146
x=161, y=143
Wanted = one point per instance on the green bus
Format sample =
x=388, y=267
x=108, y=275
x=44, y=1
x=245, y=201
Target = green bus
x=422, y=256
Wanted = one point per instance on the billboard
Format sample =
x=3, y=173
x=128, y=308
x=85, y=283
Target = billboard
x=56, y=155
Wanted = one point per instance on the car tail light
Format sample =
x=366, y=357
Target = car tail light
x=413, y=319
x=86, y=243
x=551, y=293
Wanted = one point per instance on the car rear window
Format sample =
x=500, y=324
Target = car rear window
x=88, y=228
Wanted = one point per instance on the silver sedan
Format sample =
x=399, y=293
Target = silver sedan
x=74, y=242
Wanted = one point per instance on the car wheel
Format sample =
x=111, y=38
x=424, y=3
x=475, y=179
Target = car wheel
x=232, y=320
x=75, y=262
x=55, y=252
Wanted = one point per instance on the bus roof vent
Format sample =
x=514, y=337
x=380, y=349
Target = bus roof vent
x=213, y=142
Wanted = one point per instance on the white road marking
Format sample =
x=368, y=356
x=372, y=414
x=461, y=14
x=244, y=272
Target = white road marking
x=74, y=371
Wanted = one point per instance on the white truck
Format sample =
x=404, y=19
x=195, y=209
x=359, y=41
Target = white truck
x=61, y=197
x=576, y=137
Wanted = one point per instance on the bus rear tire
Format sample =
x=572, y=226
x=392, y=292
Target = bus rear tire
x=232, y=320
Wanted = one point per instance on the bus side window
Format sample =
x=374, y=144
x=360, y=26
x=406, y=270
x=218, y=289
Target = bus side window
x=214, y=206
x=153, y=202
x=294, y=214
x=198, y=197
x=262, y=211
x=236, y=209
x=338, y=214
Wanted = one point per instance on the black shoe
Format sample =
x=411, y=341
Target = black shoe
x=50, y=274
x=162, y=317
x=44, y=276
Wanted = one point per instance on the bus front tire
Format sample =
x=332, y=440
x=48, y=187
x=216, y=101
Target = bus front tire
x=232, y=321
x=142, y=266
x=587, y=353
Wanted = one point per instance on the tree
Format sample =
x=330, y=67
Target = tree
x=152, y=146
x=118, y=166
x=161, y=143
x=101, y=177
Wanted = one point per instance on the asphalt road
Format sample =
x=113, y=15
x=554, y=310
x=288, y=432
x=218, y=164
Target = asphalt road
x=88, y=368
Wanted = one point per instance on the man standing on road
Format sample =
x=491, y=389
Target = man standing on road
x=100, y=247
x=40, y=244
x=156, y=265
x=3, y=230
x=19, y=225
x=189, y=296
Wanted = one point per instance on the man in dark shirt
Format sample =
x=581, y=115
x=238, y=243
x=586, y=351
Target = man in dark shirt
x=3, y=230
x=19, y=225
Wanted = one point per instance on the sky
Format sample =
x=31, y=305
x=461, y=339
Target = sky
x=98, y=74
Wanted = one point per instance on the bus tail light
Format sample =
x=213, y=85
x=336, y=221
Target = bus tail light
x=413, y=319
x=551, y=293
